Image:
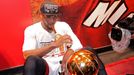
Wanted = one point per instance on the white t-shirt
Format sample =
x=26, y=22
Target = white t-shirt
x=36, y=37
x=120, y=46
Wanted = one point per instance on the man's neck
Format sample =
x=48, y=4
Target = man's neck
x=47, y=28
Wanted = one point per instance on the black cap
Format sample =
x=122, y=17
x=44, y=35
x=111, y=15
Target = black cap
x=49, y=8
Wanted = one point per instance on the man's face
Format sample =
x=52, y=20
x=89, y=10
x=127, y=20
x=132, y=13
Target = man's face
x=51, y=19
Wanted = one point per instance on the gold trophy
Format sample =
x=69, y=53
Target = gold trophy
x=61, y=48
x=83, y=62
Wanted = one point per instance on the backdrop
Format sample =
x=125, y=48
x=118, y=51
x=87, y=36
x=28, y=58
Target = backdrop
x=15, y=15
x=90, y=20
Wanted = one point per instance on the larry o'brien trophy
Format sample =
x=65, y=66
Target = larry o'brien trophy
x=83, y=62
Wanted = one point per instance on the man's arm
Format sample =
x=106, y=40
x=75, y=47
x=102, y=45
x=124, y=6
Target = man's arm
x=39, y=51
x=46, y=49
x=66, y=56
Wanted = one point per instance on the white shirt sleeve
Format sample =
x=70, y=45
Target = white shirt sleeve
x=29, y=39
x=63, y=28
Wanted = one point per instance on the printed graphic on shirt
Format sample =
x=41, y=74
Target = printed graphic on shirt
x=56, y=52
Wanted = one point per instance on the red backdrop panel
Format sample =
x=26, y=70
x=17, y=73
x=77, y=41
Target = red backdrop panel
x=15, y=15
x=97, y=37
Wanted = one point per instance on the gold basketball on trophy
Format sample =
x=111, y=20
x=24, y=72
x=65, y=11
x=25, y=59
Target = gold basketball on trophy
x=83, y=62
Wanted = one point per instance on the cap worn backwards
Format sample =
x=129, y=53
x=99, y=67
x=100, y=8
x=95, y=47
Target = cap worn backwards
x=49, y=8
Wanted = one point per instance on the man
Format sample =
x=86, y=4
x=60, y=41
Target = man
x=46, y=42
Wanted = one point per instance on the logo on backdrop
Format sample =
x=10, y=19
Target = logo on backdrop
x=104, y=12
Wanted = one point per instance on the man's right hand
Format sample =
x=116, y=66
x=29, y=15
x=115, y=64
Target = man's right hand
x=65, y=39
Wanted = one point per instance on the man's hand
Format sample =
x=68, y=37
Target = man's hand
x=66, y=56
x=60, y=40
